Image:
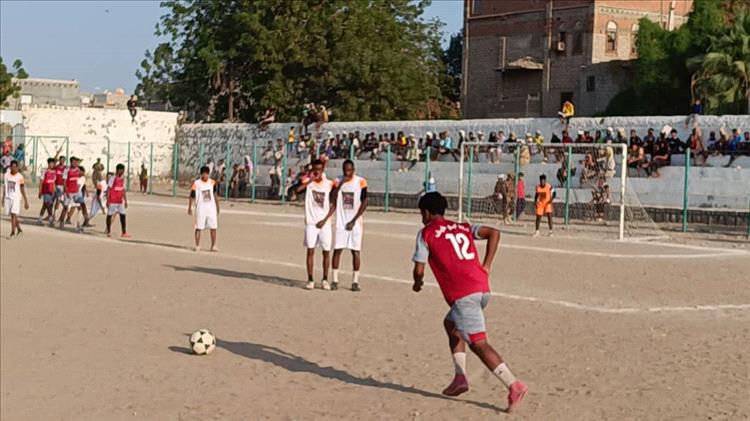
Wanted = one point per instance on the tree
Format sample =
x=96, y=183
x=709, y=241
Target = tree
x=232, y=59
x=722, y=76
x=9, y=88
x=453, y=59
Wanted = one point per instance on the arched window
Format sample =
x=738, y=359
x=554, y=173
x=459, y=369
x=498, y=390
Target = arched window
x=578, y=38
x=611, y=36
x=634, y=39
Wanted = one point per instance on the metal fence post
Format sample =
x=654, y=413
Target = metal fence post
x=108, y=153
x=567, y=184
x=516, y=171
x=351, y=150
x=67, y=148
x=34, y=147
x=468, y=182
x=748, y=219
x=127, y=188
x=226, y=170
x=151, y=167
x=255, y=170
x=282, y=177
x=175, y=153
x=427, y=167
x=386, y=199
x=685, y=192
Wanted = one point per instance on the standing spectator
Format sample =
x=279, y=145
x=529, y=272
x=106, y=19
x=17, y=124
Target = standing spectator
x=660, y=158
x=20, y=157
x=697, y=108
x=601, y=198
x=98, y=172
x=290, y=138
x=8, y=146
x=695, y=145
x=143, y=178
x=132, y=104
x=520, y=196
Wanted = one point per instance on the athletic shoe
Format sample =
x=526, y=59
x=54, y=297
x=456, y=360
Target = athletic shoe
x=536, y=234
x=39, y=221
x=125, y=235
x=458, y=386
x=550, y=234
x=197, y=248
x=334, y=286
x=310, y=285
x=326, y=285
x=214, y=249
x=109, y=235
x=355, y=286
x=516, y=394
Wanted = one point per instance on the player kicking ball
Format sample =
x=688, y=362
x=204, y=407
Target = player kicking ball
x=117, y=201
x=450, y=250
x=351, y=203
x=320, y=204
x=13, y=195
x=206, y=207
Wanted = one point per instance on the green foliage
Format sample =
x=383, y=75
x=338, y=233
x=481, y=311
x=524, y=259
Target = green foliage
x=8, y=89
x=664, y=79
x=232, y=59
x=452, y=57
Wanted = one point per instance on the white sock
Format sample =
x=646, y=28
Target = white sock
x=459, y=360
x=355, y=279
x=336, y=276
x=503, y=373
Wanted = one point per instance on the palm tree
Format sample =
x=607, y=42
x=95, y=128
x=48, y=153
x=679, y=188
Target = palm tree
x=722, y=76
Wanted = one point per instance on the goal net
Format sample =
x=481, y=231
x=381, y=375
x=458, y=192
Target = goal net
x=592, y=196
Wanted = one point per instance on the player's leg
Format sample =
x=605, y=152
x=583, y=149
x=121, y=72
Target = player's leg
x=213, y=240
x=324, y=240
x=326, y=264
x=536, y=224
x=13, y=224
x=70, y=213
x=123, y=225
x=549, y=221
x=460, y=383
x=335, y=265
x=110, y=214
x=62, y=216
x=197, y=239
x=356, y=261
x=310, y=262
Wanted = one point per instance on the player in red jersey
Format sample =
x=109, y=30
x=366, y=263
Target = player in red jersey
x=449, y=249
x=59, y=183
x=47, y=191
x=117, y=201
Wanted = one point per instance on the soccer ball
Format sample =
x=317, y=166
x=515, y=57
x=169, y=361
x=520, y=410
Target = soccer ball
x=202, y=342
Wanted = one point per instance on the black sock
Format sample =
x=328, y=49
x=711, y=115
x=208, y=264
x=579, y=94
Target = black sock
x=309, y=278
x=122, y=223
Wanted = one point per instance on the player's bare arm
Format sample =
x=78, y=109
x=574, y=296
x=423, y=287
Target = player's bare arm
x=493, y=240
x=331, y=210
x=25, y=200
x=125, y=198
x=303, y=184
x=216, y=200
x=190, y=202
x=418, y=275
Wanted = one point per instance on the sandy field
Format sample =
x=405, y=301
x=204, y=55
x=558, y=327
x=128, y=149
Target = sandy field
x=96, y=329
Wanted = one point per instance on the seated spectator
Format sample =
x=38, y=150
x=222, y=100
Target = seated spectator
x=494, y=151
x=676, y=146
x=524, y=156
x=580, y=138
x=511, y=138
x=267, y=118
x=660, y=158
x=598, y=138
x=637, y=158
x=412, y=156
x=446, y=146
x=734, y=146
x=567, y=112
x=697, y=108
x=566, y=138
x=609, y=165
x=587, y=137
x=621, y=139
x=590, y=169
x=601, y=198
x=609, y=137
x=562, y=172
x=649, y=141
x=634, y=139
x=712, y=144
x=695, y=145
x=539, y=143
x=555, y=138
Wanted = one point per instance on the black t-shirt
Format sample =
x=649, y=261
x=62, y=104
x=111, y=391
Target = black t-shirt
x=131, y=103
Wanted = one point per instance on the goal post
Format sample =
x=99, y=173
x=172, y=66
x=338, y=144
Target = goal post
x=593, y=192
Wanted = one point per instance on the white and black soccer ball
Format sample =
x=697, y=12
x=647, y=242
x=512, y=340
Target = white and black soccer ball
x=202, y=342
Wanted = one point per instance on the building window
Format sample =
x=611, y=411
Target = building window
x=591, y=84
x=634, y=39
x=578, y=38
x=611, y=37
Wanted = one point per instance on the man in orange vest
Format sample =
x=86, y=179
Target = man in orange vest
x=543, y=198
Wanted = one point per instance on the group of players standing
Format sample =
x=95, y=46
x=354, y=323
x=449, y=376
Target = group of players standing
x=64, y=187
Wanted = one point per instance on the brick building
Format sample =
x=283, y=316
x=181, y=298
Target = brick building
x=523, y=58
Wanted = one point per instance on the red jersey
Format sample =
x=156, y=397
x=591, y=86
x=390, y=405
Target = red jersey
x=116, y=190
x=449, y=249
x=71, y=180
x=49, y=181
x=59, y=172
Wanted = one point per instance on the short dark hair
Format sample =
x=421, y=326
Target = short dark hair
x=316, y=162
x=120, y=167
x=433, y=203
x=542, y=177
x=348, y=162
x=205, y=169
x=520, y=174
x=14, y=162
x=51, y=160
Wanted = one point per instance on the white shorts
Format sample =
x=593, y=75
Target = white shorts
x=116, y=208
x=351, y=240
x=315, y=237
x=12, y=206
x=210, y=221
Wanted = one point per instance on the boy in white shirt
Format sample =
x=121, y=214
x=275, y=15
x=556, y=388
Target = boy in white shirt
x=351, y=203
x=206, y=207
x=320, y=204
x=13, y=194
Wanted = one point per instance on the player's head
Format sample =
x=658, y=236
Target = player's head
x=13, y=167
x=205, y=172
x=62, y=160
x=120, y=170
x=317, y=170
x=51, y=162
x=74, y=161
x=348, y=168
x=82, y=170
x=542, y=180
x=431, y=206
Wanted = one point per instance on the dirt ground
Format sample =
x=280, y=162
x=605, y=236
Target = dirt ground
x=96, y=329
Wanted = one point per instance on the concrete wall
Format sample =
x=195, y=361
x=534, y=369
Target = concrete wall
x=89, y=129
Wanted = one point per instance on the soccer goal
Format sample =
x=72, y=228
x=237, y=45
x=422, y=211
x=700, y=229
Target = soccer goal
x=592, y=193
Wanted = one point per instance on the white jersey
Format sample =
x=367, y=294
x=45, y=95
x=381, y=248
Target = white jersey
x=318, y=200
x=349, y=200
x=13, y=185
x=205, y=203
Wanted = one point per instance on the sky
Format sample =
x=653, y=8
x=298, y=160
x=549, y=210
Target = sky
x=102, y=43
